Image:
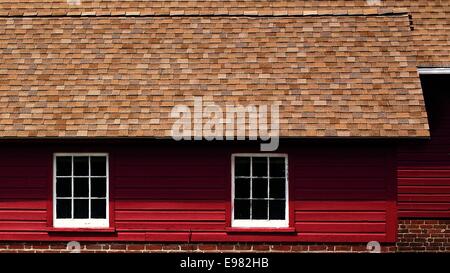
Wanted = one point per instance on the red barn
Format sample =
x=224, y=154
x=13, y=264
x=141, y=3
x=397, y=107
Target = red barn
x=90, y=94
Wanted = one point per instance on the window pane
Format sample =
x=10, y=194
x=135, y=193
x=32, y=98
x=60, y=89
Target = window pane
x=259, y=209
x=63, y=208
x=259, y=166
x=63, y=187
x=98, y=208
x=241, y=209
x=81, y=165
x=98, y=187
x=259, y=187
x=63, y=166
x=81, y=187
x=242, y=188
x=277, y=167
x=277, y=209
x=81, y=209
x=277, y=188
x=98, y=166
x=242, y=166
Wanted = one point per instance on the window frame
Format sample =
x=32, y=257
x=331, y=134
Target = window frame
x=250, y=223
x=81, y=223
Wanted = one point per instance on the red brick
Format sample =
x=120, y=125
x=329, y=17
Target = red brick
x=58, y=246
x=318, y=248
x=261, y=248
x=171, y=247
x=242, y=247
x=346, y=248
x=203, y=247
x=224, y=247
x=281, y=248
x=41, y=246
x=300, y=248
x=153, y=247
x=92, y=247
x=188, y=247
x=17, y=246
x=135, y=247
x=118, y=247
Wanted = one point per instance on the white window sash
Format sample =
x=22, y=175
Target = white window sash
x=253, y=223
x=80, y=223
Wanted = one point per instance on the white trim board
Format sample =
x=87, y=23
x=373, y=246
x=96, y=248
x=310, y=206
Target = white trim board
x=433, y=70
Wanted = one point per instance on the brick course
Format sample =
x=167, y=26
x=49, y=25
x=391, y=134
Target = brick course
x=413, y=236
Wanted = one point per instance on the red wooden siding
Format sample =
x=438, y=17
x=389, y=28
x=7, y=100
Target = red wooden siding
x=340, y=192
x=424, y=167
x=23, y=195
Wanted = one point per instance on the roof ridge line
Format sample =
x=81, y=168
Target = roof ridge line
x=305, y=13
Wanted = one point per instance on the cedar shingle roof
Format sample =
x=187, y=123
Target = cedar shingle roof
x=431, y=18
x=120, y=76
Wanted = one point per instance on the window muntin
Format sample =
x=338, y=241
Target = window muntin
x=81, y=190
x=260, y=190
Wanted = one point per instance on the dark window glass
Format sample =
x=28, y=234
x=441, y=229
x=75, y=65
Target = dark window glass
x=98, y=187
x=81, y=209
x=63, y=187
x=98, y=166
x=98, y=208
x=259, y=166
x=81, y=187
x=81, y=165
x=242, y=166
x=277, y=188
x=277, y=209
x=242, y=188
x=277, y=167
x=63, y=166
x=63, y=208
x=242, y=209
x=259, y=187
x=259, y=209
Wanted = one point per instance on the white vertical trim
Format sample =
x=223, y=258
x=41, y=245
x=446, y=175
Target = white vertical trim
x=260, y=223
x=251, y=187
x=72, y=187
x=89, y=187
x=268, y=187
x=81, y=223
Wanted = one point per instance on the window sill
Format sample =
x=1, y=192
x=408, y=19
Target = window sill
x=81, y=230
x=260, y=230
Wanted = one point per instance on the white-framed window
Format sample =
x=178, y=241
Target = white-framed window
x=260, y=191
x=80, y=190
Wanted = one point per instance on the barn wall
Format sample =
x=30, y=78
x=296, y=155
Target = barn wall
x=424, y=166
x=172, y=192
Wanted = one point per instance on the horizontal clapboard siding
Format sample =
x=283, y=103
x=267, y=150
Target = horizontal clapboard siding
x=24, y=176
x=170, y=191
x=339, y=192
x=342, y=217
x=424, y=167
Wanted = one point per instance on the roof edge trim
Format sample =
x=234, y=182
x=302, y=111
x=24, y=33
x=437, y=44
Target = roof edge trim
x=434, y=70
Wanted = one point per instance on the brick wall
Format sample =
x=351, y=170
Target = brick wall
x=413, y=235
x=424, y=235
x=42, y=247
